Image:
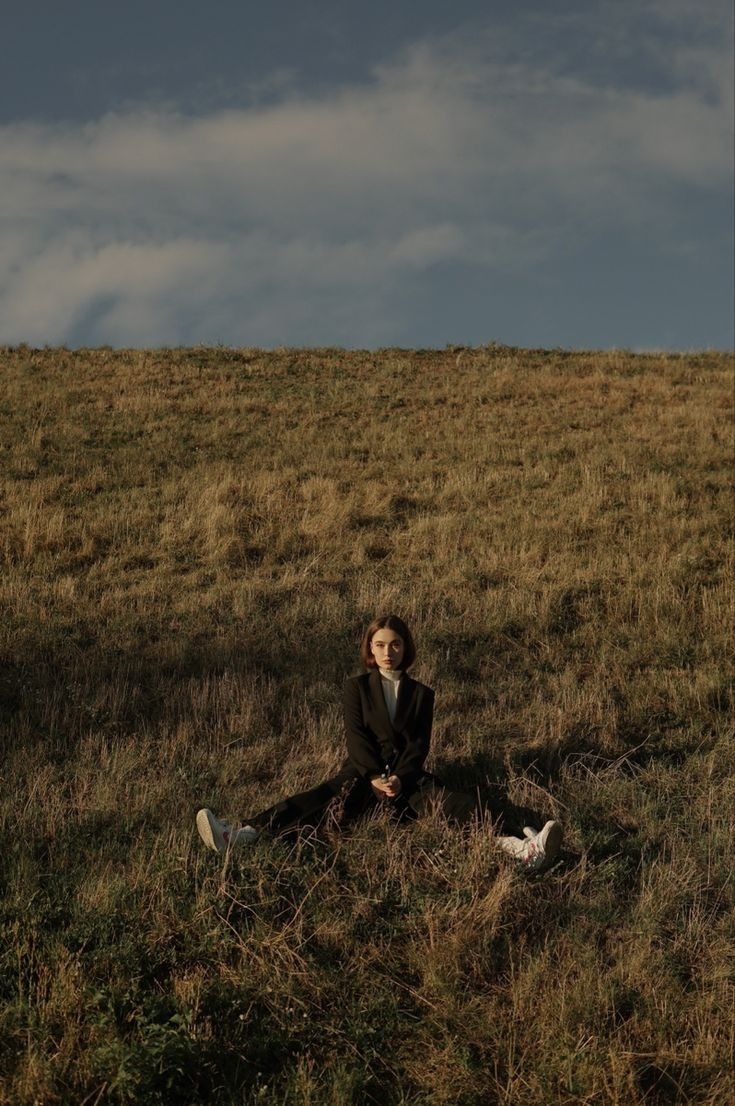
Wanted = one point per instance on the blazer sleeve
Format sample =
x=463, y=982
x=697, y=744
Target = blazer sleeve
x=416, y=751
x=362, y=745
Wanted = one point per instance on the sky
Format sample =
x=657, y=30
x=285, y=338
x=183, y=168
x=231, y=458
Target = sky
x=314, y=173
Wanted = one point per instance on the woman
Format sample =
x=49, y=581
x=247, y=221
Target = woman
x=388, y=717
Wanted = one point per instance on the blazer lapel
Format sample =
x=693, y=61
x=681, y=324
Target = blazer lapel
x=376, y=691
x=406, y=690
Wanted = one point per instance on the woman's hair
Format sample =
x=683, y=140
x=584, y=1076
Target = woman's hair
x=388, y=622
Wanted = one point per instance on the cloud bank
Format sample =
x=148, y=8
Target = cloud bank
x=319, y=220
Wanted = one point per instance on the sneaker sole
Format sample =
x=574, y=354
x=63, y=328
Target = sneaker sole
x=206, y=832
x=553, y=842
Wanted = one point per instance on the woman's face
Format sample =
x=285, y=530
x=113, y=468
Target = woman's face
x=387, y=648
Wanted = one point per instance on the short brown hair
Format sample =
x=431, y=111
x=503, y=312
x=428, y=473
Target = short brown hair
x=388, y=622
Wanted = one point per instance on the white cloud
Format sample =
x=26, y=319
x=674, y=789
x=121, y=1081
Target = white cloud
x=309, y=218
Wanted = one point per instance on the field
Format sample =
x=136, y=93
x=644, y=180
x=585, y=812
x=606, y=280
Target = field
x=191, y=542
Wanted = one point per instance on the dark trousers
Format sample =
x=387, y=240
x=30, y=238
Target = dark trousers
x=348, y=796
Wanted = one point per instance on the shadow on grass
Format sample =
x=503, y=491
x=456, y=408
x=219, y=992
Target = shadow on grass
x=59, y=691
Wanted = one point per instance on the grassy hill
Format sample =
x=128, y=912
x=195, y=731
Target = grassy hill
x=191, y=542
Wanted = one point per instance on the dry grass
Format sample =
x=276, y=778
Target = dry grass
x=191, y=542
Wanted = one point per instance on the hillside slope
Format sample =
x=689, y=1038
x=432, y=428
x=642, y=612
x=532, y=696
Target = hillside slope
x=191, y=544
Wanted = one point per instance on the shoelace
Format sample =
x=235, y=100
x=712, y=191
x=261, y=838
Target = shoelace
x=532, y=854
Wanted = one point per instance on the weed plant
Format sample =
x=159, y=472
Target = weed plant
x=191, y=542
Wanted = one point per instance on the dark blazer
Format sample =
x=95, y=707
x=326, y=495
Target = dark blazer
x=373, y=741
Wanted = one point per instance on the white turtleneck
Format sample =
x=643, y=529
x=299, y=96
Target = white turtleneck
x=390, y=680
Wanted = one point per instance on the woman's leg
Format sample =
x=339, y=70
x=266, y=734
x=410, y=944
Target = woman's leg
x=308, y=808
x=535, y=850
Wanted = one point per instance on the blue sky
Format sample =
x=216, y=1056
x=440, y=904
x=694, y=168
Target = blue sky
x=367, y=175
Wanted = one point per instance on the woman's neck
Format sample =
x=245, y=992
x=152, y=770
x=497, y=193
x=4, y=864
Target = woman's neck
x=390, y=673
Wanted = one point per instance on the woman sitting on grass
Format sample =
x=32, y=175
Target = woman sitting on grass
x=388, y=719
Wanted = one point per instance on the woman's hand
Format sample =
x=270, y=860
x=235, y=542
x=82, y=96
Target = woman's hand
x=389, y=788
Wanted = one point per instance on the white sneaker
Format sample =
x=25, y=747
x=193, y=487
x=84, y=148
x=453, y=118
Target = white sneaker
x=516, y=847
x=537, y=850
x=220, y=836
